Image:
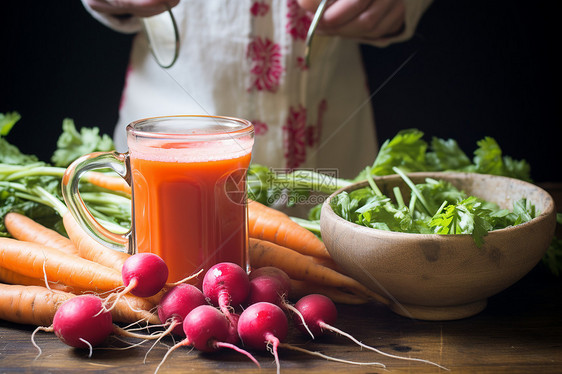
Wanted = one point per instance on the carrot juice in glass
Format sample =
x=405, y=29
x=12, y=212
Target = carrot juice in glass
x=188, y=190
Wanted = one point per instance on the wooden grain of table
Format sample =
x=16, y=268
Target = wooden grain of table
x=519, y=332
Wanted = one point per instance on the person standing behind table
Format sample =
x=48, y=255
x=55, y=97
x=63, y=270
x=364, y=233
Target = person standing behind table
x=245, y=58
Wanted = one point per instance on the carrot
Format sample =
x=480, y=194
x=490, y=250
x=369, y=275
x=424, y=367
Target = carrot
x=269, y=224
x=109, y=182
x=12, y=277
x=327, y=262
x=37, y=305
x=24, y=228
x=35, y=260
x=30, y=305
x=89, y=248
x=129, y=309
x=302, y=267
x=302, y=288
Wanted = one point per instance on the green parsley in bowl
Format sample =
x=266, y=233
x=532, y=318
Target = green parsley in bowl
x=442, y=253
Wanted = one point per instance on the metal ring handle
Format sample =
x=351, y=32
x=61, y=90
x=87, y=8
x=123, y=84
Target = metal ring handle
x=151, y=42
x=315, y=20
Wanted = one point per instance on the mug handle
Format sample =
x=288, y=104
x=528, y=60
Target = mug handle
x=119, y=163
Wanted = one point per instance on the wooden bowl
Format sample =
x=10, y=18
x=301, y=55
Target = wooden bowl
x=442, y=277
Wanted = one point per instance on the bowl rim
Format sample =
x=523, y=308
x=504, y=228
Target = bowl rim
x=543, y=215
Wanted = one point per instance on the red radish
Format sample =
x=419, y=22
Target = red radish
x=266, y=288
x=272, y=271
x=82, y=322
x=226, y=285
x=320, y=313
x=271, y=288
x=262, y=325
x=144, y=274
x=176, y=304
x=206, y=329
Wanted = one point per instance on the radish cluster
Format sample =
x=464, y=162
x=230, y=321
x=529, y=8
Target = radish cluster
x=233, y=310
x=250, y=310
x=263, y=323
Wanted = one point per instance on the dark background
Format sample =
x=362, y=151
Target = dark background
x=481, y=68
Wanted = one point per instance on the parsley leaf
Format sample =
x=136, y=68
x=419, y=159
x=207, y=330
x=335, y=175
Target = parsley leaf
x=73, y=144
x=466, y=217
x=446, y=155
x=488, y=157
x=7, y=121
x=406, y=150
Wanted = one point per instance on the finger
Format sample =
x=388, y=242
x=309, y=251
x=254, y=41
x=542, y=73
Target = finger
x=382, y=17
x=309, y=5
x=390, y=25
x=341, y=12
x=144, y=8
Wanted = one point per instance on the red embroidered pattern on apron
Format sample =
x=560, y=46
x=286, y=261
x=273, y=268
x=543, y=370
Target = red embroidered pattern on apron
x=260, y=128
x=295, y=137
x=298, y=135
x=266, y=67
x=299, y=20
x=259, y=8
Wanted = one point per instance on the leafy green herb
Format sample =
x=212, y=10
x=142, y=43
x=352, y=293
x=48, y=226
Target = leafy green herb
x=406, y=150
x=488, y=159
x=33, y=188
x=7, y=121
x=73, y=144
x=440, y=208
x=10, y=154
x=466, y=217
x=446, y=155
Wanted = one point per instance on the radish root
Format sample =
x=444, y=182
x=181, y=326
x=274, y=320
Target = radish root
x=330, y=358
x=299, y=314
x=343, y=333
x=176, y=346
x=273, y=346
x=237, y=349
x=184, y=280
x=90, y=348
x=39, y=328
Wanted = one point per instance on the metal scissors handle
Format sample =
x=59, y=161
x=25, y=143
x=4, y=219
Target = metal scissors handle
x=317, y=16
x=160, y=44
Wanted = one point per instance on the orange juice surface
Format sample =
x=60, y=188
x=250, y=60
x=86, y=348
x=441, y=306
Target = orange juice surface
x=190, y=213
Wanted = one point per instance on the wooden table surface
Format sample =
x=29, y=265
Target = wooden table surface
x=520, y=331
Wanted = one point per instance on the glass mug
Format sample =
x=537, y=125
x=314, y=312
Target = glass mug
x=188, y=179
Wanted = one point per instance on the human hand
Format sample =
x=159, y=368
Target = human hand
x=363, y=19
x=139, y=8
